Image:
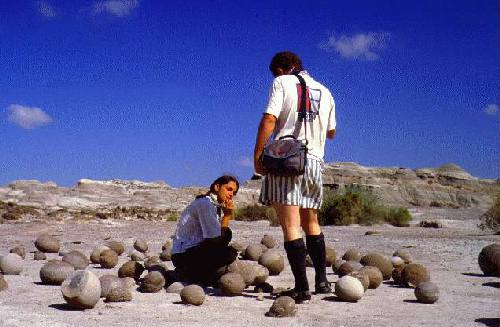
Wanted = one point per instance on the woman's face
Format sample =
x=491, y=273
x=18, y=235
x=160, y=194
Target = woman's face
x=225, y=192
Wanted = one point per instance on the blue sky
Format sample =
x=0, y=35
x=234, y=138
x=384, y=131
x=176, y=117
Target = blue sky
x=174, y=90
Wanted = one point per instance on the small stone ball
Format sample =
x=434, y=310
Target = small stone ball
x=54, y=272
x=374, y=274
x=131, y=269
x=128, y=282
x=362, y=277
x=283, y=306
x=95, y=255
x=336, y=265
x=136, y=255
x=82, y=289
x=192, y=294
x=166, y=255
x=237, y=246
x=141, y=245
x=397, y=262
x=414, y=274
x=47, y=244
x=397, y=275
x=38, y=255
x=488, y=260
x=349, y=289
x=427, y=292
x=108, y=282
x=273, y=261
x=11, y=264
x=380, y=261
x=262, y=273
x=153, y=282
x=232, y=284
x=348, y=267
x=330, y=256
x=175, y=287
x=268, y=241
x=116, y=246
x=76, y=259
x=253, y=252
x=3, y=283
x=20, y=251
x=151, y=261
x=403, y=254
x=352, y=255
x=108, y=259
x=119, y=294
x=167, y=245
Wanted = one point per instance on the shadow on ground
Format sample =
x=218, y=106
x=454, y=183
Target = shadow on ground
x=490, y=322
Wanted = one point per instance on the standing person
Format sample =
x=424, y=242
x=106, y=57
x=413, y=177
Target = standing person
x=297, y=199
x=200, y=246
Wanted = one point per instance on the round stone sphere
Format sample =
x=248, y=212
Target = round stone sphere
x=232, y=284
x=131, y=269
x=336, y=265
x=237, y=246
x=108, y=282
x=48, y=244
x=330, y=256
x=108, y=259
x=403, y=254
x=380, y=261
x=427, y=292
x=153, y=282
x=76, y=259
x=352, y=255
x=362, y=277
x=3, y=283
x=261, y=275
x=348, y=267
x=81, y=290
x=136, y=255
x=95, y=255
x=397, y=275
x=249, y=270
x=397, y=261
x=38, y=255
x=488, y=260
x=151, y=261
x=119, y=294
x=273, y=261
x=414, y=274
x=54, y=272
x=11, y=264
x=20, y=251
x=166, y=255
x=175, y=287
x=116, y=246
x=349, y=289
x=141, y=245
x=268, y=241
x=253, y=252
x=283, y=306
x=374, y=275
x=192, y=294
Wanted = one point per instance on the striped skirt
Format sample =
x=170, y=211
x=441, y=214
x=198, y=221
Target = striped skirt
x=305, y=191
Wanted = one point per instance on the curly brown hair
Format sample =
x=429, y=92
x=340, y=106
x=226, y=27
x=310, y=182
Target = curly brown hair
x=285, y=60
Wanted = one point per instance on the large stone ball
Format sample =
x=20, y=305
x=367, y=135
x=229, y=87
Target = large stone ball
x=273, y=261
x=397, y=261
x=374, y=275
x=82, y=289
x=348, y=267
x=141, y=245
x=131, y=269
x=39, y=255
x=95, y=255
x=237, y=246
x=352, y=255
x=330, y=256
x=108, y=259
x=108, y=282
x=232, y=284
x=47, y=244
x=362, y=277
x=253, y=252
x=153, y=282
x=11, y=264
x=54, y=272
x=403, y=254
x=427, y=292
x=380, y=261
x=192, y=294
x=119, y=294
x=283, y=306
x=136, y=255
x=3, y=283
x=397, y=275
x=349, y=289
x=20, y=251
x=336, y=265
x=488, y=260
x=414, y=274
x=251, y=271
x=175, y=287
x=152, y=261
x=268, y=241
x=261, y=275
x=77, y=259
x=116, y=246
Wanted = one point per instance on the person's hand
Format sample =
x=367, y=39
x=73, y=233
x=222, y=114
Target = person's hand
x=228, y=207
x=259, y=167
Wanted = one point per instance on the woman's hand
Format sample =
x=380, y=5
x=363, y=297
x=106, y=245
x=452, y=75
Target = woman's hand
x=228, y=207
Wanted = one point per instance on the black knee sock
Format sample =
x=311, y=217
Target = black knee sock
x=317, y=252
x=296, y=253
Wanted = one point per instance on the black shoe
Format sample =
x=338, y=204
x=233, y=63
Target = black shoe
x=323, y=288
x=299, y=296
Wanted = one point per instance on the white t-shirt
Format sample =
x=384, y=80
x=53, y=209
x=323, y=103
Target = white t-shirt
x=284, y=104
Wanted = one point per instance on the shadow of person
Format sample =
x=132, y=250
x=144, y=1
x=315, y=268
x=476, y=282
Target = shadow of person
x=490, y=322
x=492, y=284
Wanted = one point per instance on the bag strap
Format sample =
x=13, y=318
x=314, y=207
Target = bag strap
x=303, y=102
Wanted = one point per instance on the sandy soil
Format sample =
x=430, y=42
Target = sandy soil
x=450, y=253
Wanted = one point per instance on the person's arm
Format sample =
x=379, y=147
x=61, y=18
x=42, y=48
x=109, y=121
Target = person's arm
x=330, y=134
x=228, y=210
x=266, y=128
x=332, y=123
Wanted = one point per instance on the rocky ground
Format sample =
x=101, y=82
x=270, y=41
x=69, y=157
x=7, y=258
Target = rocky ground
x=450, y=253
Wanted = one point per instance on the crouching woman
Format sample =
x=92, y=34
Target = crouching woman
x=201, y=243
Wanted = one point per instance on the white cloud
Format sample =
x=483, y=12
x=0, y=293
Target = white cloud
x=359, y=46
x=491, y=109
x=27, y=117
x=245, y=162
x=119, y=8
x=46, y=10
